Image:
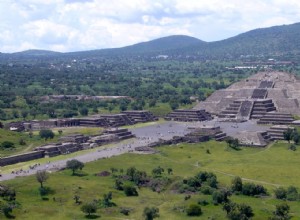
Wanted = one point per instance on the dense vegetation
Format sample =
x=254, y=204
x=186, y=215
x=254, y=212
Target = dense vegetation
x=149, y=84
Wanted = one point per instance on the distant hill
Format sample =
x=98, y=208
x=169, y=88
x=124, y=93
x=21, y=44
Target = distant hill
x=165, y=44
x=274, y=40
x=38, y=52
x=282, y=39
x=160, y=45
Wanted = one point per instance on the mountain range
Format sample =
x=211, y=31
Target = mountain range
x=276, y=40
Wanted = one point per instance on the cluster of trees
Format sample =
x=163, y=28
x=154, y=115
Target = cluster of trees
x=248, y=189
x=290, y=194
x=203, y=181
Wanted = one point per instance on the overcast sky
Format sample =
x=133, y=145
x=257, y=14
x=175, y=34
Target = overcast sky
x=74, y=25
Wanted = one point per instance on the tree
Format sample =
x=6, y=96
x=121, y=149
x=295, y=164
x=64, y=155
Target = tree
x=194, y=210
x=106, y=202
x=237, y=184
x=89, y=208
x=174, y=105
x=292, y=193
x=288, y=134
x=41, y=177
x=76, y=198
x=170, y=171
x=152, y=103
x=74, y=165
x=84, y=111
x=7, y=145
x=6, y=208
x=220, y=196
x=130, y=190
x=233, y=143
x=296, y=137
x=157, y=171
x=238, y=211
x=46, y=134
x=24, y=113
x=151, y=213
x=280, y=193
x=281, y=212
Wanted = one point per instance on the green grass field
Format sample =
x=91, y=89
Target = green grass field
x=272, y=166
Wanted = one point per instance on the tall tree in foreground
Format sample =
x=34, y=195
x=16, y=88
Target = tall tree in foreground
x=41, y=177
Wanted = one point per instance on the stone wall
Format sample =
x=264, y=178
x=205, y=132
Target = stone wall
x=21, y=158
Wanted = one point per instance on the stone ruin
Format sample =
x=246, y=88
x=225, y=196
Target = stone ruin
x=69, y=144
x=101, y=120
x=188, y=115
x=263, y=96
x=140, y=116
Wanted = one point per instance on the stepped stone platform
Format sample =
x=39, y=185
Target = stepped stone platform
x=187, y=115
x=280, y=87
x=247, y=109
x=205, y=133
x=77, y=138
x=101, y=120
x=140, y=116
x=92, y=122
x=276, y=118
x=52, y=150
x=276, y=132
x=116, y=120
x=251, y=138
x=120, y=133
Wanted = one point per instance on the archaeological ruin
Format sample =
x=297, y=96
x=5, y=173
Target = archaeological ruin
x=257, y=97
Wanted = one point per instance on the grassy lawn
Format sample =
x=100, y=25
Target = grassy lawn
x=268, y=166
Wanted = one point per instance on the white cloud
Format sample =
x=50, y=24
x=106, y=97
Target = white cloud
x=71, y=25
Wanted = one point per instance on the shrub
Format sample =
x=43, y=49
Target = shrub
x=194, y=210
x=292, y=147
x=151, y=213
x=292, y=193
x=237, y=184
x=125, y=211
x=203, y=202
x=280, y=193
x=250, y=189
x=220, y=196
x=7, y=144
x=207, y=190
x=130, y=190
x=46, y=134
